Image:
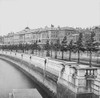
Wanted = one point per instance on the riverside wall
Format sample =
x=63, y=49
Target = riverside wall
x=56, y=89
x=65, y=92
x=43, y=83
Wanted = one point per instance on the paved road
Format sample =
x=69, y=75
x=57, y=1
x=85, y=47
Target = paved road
x=84, y=57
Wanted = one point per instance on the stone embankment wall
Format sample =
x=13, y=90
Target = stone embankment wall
x=52, y=83
x=36, y=74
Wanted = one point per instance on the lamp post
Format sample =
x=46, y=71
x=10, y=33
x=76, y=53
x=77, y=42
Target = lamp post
x=30, y=62
x=21, y=58
x=44, y=71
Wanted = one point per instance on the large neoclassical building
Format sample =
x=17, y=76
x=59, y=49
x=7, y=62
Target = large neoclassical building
x=41, y=35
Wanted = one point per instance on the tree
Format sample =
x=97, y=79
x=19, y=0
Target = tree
x=57, y=47
x=39, y=48
x=96, y=50
x=21, y=47
x=79, y=45
x=70, y=48
x=51, y=47
x=90, y=46
x=36, y=47
x=47, y=47
x=32, y=48
x=13, y=47
x=26, y=46
x=4, y=47
x=64, y=45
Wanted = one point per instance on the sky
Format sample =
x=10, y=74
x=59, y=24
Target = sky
x=15, y=15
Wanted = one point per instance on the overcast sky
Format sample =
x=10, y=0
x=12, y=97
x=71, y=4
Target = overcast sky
x=15, y=15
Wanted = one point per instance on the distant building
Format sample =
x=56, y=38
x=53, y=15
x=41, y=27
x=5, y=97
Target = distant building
x=41, y=35
x=73, y=37
x=68, y=32
x=97, y=33
x=86, y=35
x=1, y=40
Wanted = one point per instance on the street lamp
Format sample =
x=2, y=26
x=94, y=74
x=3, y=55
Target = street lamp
x=21, y=58
x=30, y=62
x=44, y=71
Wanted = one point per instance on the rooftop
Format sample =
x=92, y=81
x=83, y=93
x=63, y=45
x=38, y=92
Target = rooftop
x=25, y=93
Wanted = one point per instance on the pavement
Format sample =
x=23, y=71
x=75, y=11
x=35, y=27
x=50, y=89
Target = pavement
x=84, y=58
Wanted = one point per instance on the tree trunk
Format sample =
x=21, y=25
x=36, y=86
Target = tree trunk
x=90, y=57
x=51, y=52
x=56, y=54
x=47, y=54
x=36, y=51
x=33, y=51
x=70, y=55
x=23, y=50
x=42, y=52
x=39, y=52
x=62, y=54
x=97, y=58
x=78, y=56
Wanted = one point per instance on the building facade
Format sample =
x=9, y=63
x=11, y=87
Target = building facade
x=97, y=33
x=52, y=34
x=1, y=40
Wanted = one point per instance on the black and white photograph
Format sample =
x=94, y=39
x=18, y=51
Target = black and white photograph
x=49, y=48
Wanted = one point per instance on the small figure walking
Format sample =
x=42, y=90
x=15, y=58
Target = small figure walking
x=45, y=61
x=30, y=57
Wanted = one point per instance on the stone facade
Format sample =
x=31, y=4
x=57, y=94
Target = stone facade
x=1, y=40
x=41, y=35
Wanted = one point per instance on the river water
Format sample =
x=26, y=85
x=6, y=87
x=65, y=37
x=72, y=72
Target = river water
x=11, y=78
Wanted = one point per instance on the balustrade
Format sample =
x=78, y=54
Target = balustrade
x=91, y=73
